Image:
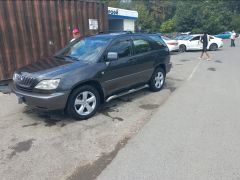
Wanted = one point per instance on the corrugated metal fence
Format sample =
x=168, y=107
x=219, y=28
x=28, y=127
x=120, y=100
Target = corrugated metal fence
x=33, y=29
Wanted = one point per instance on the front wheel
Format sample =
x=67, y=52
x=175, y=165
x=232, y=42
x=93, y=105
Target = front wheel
x=158, y=79
x=83, y=102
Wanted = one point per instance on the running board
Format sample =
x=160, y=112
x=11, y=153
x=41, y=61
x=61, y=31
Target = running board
x=125, y=93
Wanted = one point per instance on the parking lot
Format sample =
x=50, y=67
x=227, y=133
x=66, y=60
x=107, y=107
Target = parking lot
x=38, y=145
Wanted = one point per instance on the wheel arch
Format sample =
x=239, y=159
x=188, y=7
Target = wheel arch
x=163, y=66
x=93, y=83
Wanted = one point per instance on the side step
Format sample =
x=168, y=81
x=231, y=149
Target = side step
x=127, y=92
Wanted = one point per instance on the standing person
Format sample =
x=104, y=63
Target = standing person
x=76, y=34
x=233, y=37
x=204, y=40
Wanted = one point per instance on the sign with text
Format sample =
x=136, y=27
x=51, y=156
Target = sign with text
x=122, y=12
x=93, y=24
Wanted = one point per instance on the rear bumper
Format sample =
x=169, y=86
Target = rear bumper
x=52, y=101
x=173, y=48
x=168, y=67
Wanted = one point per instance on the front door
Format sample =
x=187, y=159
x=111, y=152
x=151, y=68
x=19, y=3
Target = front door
x=119, y=73
x=195, y=43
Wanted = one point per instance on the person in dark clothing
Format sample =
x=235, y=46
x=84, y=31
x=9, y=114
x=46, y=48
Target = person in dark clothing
x=204, y=40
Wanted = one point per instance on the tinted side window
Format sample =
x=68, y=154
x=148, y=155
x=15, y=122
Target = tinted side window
x=159, y=40
x=195, y=38
x=141, y=46
x=123, y=48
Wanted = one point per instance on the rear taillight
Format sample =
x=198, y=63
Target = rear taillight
x=172, y=43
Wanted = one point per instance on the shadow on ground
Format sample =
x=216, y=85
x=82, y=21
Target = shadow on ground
x=60, y=118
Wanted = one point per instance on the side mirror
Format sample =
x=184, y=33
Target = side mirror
x=111, y=56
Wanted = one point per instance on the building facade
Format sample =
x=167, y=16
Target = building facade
x=121, y=19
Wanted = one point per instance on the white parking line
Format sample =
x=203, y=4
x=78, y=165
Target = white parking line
x=194, y=70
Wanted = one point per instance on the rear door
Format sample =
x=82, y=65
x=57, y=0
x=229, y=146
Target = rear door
x=144, y=58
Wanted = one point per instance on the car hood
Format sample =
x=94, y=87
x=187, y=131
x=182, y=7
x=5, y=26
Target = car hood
x=50, y=67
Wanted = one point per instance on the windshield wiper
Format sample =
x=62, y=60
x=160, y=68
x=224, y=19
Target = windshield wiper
x=71, y=57
x=60, y=57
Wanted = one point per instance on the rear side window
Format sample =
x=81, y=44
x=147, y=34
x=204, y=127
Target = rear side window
x=159, y=40
x=123, y=48
x=141, y=46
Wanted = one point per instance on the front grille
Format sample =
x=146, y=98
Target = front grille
x=23, y=88
x=24, y=81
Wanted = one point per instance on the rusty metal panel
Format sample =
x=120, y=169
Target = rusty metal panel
x=31, y=30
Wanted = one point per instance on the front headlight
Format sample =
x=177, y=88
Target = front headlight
x=15, y=76
x=48, y=84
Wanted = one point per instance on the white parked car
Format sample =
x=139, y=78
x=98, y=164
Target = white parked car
x=193, y=42
x=172, y=44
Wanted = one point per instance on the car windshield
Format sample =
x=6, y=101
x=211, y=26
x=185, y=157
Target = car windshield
x=87, y=49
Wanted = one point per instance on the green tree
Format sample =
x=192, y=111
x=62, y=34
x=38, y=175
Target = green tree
x=235, y=24
x=209, y=16
x=168, y=26
x=145, y=19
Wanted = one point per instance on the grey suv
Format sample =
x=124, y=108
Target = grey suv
x=93, y=70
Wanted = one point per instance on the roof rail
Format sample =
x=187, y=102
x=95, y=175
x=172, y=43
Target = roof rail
x=116, y=32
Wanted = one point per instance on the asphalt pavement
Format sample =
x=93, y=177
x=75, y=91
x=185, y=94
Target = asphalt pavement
x=195, y=135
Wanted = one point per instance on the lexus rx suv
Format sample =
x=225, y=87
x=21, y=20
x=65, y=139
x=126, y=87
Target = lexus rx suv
x=93, y=70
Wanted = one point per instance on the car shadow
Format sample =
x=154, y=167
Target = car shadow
x=175, y=53
x=49, y=118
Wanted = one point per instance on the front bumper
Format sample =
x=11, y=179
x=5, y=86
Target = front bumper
x=52, y=101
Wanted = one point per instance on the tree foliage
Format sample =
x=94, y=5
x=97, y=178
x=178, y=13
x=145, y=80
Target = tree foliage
x=201, y=16
x=168, y=26
x=197, y=16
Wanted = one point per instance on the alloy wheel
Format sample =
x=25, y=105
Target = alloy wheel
x=85, y=103
x=159, y=80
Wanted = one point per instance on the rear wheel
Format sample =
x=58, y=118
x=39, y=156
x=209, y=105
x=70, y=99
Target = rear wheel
x=158, y=79
x=83, y=102
x=213, y=47
x=182, y=48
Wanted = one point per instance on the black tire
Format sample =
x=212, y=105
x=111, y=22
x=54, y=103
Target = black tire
x=213, y=47
x=153, y=83
x=78, y=93
x=182, y=48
